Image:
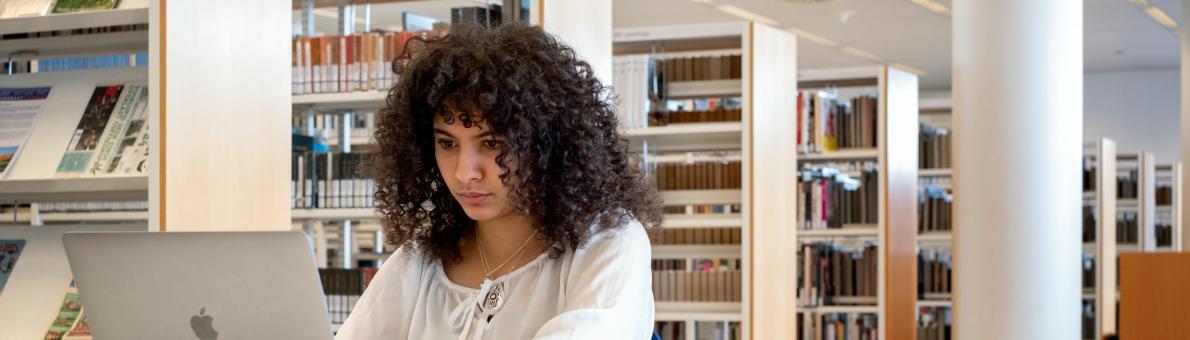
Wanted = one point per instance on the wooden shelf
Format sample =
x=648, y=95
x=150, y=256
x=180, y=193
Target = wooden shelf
x=934, y=236
x=698, y=129
x=76, y=44
x=705, y=88
x=703, y=221
x=934, y=303
x=854, y=230
x=70, y=21
x=95, y=216
x=335, y=214
x=841, y=154
x=75, y=189
x=341, y=100
x=934, y=173
x=696, y=251
x=698, y=311
x=841, y=309
x=686, y=197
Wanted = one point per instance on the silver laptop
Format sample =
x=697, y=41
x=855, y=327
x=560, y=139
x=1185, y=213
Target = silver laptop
x=36, y=277
x=204, y=285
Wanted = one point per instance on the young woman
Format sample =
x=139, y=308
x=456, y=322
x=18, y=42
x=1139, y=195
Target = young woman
x=516, y=206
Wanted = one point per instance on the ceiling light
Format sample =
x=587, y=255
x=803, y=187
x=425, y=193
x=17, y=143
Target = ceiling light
x=932, y=6
x=814, y=38
x=860, y=53
x=701, y=1
x=1140, y=2
x=910, y=69
x=1161, y=17
x=746, y=15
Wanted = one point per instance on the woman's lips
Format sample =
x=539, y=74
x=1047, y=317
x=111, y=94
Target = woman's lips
x=473, y=198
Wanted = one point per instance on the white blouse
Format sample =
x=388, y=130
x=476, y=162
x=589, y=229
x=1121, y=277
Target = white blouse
x=601, y=291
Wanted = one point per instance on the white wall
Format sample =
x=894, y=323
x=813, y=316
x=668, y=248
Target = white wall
x=1139, y=109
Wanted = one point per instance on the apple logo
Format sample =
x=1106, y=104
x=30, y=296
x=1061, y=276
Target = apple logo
x=201, y=324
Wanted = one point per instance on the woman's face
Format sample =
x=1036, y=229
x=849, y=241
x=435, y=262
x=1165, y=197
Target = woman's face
x=467, y=160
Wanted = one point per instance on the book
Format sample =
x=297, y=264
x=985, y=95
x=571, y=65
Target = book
x=361, y=62
x=934, y=147
x=934, y=269
x=24, y=8
x=330, y=180
x=72, y=6
x=10, y=252
x=706, y=175
x=19, y=108
x=699, y=279
x=814, y=326
x=934, y=323
x=112, y=135
x=831, y=274
x=827, y=123
x=934, y=208
x=828, y=203
x=1127, y=228
x=66, y=317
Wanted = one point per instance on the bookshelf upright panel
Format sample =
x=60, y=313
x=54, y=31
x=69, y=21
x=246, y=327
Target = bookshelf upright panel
x=771, y=151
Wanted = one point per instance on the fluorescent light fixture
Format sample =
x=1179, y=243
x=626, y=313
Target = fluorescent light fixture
x=860, y=53
x=746, y=15
x=910, y=69
x=1140, y=2
x=1161, y=17
x=701, y=1
x=932, y=6
x=817, y=39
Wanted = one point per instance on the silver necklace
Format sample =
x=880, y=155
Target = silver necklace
x=495, y=295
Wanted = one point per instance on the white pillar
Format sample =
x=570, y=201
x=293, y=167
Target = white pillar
x=1018, y=130
x=1185, y=152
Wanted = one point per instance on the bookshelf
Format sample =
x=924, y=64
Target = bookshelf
x=1167, y=206
x=895, y=155
x=767, y=59
x=934, y=238
x=181, y=111
x=1099, y=277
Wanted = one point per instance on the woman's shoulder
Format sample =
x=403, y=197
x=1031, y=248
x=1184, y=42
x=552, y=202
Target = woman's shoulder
x=629, y=237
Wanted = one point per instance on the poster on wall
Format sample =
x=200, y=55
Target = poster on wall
x=19, y=108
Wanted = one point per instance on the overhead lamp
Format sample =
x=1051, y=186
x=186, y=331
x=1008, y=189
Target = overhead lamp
x=746, y=14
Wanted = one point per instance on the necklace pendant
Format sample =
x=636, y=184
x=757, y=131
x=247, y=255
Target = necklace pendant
x=494, y=299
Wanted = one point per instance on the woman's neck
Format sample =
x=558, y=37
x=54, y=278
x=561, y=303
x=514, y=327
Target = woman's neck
x=502, y=237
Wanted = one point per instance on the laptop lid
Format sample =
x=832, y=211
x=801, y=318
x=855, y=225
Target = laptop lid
x=199, y=285
x=35, y=276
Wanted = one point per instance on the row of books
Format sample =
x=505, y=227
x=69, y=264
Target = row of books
x=327, y=126
x=641, y=90
x=1164, y=194
x=701, y=68
x=698, y=209
x=1164, y=235
x=933, y=272
x=1088, y=266
x=934, y=209
x=833, y=275
x=32, y=8
x=360, y=62
x=93, y=206
x=701, y=286
x=826, y=123
x=934, y=323
x=1090, y=220
x=837, y=326
x=698, y=175
x=330, y=180
x=1089, y=173
x=35, y=64
x=700, y=116
x=667, y=236
x=703, y=330
x=342, y=289
x=1127, y=228
x=934, y=148
x=829, y=204
x=1088, y=318
x=1127, y=185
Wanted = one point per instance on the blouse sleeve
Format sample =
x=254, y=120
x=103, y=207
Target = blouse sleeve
x=609, y=293
x=375, y=316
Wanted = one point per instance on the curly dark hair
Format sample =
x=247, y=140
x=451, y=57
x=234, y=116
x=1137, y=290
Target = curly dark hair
x=574, y=170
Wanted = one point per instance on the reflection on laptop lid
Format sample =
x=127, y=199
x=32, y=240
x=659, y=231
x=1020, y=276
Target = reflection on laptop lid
x=205, y=285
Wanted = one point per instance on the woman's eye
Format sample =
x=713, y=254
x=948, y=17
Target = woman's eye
x=446, y=144
x=493, y=144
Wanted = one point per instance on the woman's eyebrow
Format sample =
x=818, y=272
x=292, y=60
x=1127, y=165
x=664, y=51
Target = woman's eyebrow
x=443, y=132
